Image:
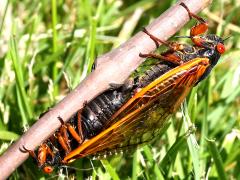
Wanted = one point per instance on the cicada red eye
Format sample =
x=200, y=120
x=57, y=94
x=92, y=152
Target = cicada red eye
x=220, y=48
x=48, y=169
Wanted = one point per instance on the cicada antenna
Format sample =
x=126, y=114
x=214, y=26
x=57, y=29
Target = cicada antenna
x=183, y=37
x=226, y=38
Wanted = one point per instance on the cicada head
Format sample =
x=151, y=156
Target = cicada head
x=48, y=164
x=213, y=47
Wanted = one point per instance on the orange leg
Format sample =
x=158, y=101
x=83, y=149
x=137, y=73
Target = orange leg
x=79, y=118
x=174, y=46
x=63, y=137
x=74, y=134
x=170, y=58
x=198, y=29
x=49, y=151
x=72, y=131
x=80, y=130
x=63, y=143
x=43, y=151
x=31, y=153
x=64, y=134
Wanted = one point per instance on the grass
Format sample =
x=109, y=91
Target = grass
x=48, y=48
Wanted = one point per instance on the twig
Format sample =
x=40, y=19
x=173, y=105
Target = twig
x=113, y=67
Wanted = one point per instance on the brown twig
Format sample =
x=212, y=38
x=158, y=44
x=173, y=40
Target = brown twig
x=113, y=67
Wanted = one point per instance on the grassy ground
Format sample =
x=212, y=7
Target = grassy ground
x=39, y=64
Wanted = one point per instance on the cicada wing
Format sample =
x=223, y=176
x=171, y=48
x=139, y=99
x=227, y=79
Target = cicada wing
x=145, y=114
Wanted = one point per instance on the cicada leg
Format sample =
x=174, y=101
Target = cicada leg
x=170, y=57
x=94, y=65
x=43, y=152
x=63, y=137
x=68, y=127
x=174, y=46
x=31, y=153
x=198, y=29
x=173, y=58
x=79, y=137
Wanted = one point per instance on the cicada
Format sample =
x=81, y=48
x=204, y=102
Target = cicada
x=133, y=114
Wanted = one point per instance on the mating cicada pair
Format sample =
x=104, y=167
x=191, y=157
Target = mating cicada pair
x=133, y=114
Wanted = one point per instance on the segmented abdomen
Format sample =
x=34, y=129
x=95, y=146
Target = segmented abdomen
x=153, y=73
x=98, y=112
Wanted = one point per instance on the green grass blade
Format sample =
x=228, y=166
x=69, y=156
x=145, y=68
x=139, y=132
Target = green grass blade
x=54, y=42
x=154, y=164
x=217, y=159
x=3, y=18
x=171, y=155
x=192, y=142
x=135, y=166
x=92, y=43
x=21, y=108
x=8, y=135
x=110, y=169
x=19, y=78
x=204, y=130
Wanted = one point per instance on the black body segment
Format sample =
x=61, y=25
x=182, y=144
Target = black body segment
x=98, y=112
